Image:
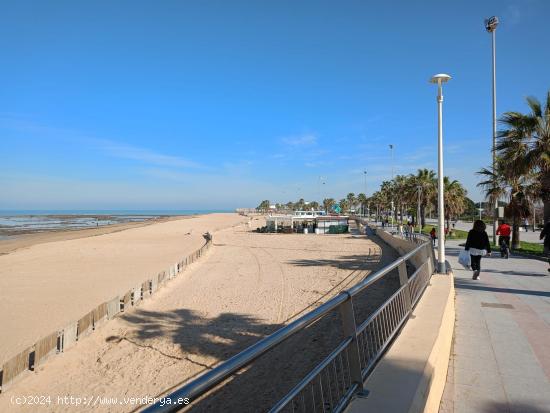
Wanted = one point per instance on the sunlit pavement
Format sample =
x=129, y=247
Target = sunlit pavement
x=501, y=353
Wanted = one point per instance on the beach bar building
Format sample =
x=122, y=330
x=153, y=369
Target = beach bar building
x=307, y=223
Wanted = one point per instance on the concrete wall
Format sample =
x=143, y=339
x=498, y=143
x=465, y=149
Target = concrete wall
x=411, y=376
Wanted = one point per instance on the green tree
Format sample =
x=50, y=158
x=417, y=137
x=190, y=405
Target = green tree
x=344, y=205
x=264, y=206
x=526, y=137
x=362, y=201
x=426, y=180
x=350, y=198
x=454, y=199
x=328, y=203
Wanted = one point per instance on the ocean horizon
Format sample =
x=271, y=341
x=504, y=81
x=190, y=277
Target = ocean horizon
x=113, y=212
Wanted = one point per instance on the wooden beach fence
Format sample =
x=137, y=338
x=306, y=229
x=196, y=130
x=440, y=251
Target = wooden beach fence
x=44, y=348
x=69, y=336
x=85, y=325
x=60, y=341
x=14, y=367
x=126, y=301
x=100, y=314
x=113, y=307
x=137, y=295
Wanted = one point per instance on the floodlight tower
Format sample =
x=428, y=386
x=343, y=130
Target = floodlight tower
x=491, y=26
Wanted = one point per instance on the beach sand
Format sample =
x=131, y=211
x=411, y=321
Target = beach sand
x=60, y=278
x=245, y=287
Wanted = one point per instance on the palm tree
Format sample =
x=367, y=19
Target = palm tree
x=328, y=203
x=455, y=199
x=530, y=134
x=344, y=205
x=264, y=206
x=511, y=184
x=426, y=180
x=362, y=200
x=350, y=198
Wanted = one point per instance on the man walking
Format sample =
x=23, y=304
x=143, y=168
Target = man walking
x=545, y=233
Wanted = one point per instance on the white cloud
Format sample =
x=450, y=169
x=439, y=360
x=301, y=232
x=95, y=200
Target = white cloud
x=306, y=139
x=121, y=150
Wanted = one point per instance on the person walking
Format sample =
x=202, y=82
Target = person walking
x=545, y=233
x=504, y=231
x=478, y=245
x=433, y=236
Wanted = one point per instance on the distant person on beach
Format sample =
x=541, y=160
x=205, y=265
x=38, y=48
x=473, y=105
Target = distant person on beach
x=545, y=233
x=478, y=245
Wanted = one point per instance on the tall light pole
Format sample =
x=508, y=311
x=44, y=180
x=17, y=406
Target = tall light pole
x=491, y=26
x=419, y=189
x=391, y=152
x=439, y=79
x=365, y=174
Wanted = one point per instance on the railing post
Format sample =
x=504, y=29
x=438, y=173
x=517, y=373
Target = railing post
x=404, y=281
x=428, y=254
x=350, y=330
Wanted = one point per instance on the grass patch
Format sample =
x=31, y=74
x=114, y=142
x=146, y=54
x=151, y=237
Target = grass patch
x=455, y=233
x=531, y=248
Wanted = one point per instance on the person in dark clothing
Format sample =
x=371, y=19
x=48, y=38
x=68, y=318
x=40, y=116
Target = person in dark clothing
x=478, y=244
x=545, y=233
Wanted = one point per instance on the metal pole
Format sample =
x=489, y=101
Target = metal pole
x=495, y=206
x=440, y=195
x=418, y=211
x=365, y=173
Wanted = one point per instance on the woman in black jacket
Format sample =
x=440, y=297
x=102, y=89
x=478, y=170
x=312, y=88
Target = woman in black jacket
x=478, y=245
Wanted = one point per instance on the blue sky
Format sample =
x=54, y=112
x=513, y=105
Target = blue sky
x=218, y=104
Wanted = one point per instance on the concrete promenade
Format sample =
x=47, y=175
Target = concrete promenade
x=500, y=359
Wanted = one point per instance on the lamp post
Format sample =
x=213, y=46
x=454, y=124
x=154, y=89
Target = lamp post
x=419, y=189
x=439, y=79
x=365, y=174
x=491, y=26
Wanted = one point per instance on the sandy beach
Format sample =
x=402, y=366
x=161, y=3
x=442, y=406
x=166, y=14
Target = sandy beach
x=53, y=279
x=247, y=286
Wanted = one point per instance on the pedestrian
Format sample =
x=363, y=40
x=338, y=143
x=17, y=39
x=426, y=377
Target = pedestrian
x=478, y=245
x=433, y=236
x=526, y=224
x=545, y=233
x=504, y=231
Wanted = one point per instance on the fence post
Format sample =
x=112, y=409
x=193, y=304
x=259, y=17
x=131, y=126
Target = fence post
x=404, y=281
x=350, y=330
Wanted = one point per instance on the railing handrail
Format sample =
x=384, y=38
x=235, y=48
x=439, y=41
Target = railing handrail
x=227, y=368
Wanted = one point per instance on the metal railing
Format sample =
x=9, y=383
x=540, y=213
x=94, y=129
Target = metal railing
x=333, y=382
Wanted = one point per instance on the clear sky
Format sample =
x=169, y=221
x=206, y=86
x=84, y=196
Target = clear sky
x=220, y=104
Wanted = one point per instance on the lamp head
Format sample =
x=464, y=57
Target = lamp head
x=491, y=24
x=440, y=78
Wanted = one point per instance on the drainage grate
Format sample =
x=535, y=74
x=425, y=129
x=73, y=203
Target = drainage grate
x=497, y=305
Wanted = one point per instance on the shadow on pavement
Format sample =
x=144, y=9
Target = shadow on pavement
x=464, y=285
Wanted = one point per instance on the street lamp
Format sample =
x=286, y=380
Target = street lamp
x=491, y=26
x=419, y=189
x=365, y=173
x=440, y=79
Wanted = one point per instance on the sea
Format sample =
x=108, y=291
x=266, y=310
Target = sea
x=16, y=222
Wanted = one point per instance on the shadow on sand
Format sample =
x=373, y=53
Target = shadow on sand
x=260, y=385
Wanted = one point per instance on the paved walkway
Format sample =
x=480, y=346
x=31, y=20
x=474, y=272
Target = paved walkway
x=528, y=236
x=501, y=355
